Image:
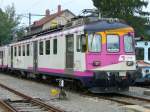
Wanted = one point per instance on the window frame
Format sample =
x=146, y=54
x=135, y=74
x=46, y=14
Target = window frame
x=15, y=51
x=48, y=47
x=19, y=50
x=149, y=53
x=1, y=54
x=78, y=43
x=28, y=49
x=41, y=52
x=143, y=52
x=55, y=51
x=107, y=43
x=92, y=40
x=23, y=50
x=132, y=43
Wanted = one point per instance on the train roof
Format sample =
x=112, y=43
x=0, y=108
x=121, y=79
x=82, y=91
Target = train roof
x=104, y=25
x=82, y=24
x=90, y=24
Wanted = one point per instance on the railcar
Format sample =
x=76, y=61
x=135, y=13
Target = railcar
x=95, y=55
x=4, y=57
x=143, y=61
x=143, y=56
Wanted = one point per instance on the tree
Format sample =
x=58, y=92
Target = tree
x=129, y=10
x=9, y=22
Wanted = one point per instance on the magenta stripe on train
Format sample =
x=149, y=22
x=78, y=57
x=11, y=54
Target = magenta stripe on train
x=62, y=71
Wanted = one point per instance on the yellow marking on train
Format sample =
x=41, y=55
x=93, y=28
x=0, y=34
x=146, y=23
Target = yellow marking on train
x=103, y=37
x=121, y=30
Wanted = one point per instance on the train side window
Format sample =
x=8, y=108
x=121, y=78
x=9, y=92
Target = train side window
x=23, y=50
x=19, y=50
x=41, y=48
x=81, y=43
x=55, y=46
x=94, y=43
x=139, y=53
x=128, y=43
x=47, y=47
x=9, y=51
x=78, y=43
x=28, y=49
x=148, y=53
x=15, y=51
x=113, y=44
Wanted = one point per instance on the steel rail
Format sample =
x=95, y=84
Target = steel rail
x=6, y=106
x=135, y=97
x=35, y=101
x=118, y=100
x=126, y=102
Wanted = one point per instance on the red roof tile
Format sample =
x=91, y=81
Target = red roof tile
x=46, y=19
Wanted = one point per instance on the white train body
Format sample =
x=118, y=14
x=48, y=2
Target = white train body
x=96, y=54
x=143, y=56
x=53, y=61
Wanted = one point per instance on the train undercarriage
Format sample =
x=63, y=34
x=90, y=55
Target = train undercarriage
x=100, y=82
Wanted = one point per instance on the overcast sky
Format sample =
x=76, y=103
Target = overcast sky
x=39, y=6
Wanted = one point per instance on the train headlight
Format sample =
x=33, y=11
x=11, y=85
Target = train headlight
x=96, y=63
x=130, y=63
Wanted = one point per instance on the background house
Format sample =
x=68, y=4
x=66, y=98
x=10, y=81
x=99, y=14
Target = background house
x=61, y=17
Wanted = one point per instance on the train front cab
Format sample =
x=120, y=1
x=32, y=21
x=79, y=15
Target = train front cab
x=110, y=55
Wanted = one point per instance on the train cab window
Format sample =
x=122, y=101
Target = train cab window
x=41, y=48
x=19, y=50
x=23, y=50
x=81, y=43
x=94, y=43
x=28, y=49
x=47, y=47
x=139, y=53
x=113, y=43
x=128, y=43
x=55, y=46
x=15, y=51
x=148, y=53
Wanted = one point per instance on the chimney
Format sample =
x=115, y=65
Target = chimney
x=47, y=12
x=59, y=8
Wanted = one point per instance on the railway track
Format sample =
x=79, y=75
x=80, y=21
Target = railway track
x=122, y=99
x=119, y=98
x=129, y=100
x=26, y=104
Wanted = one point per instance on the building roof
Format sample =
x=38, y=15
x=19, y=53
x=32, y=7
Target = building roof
x=48, y=18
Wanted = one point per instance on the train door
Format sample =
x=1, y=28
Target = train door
x=1, y=58
x=35, y=56
x=69, y=53
x=11, y=56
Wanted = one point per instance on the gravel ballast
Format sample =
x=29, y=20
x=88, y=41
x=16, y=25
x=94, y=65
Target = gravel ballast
x=74, y=103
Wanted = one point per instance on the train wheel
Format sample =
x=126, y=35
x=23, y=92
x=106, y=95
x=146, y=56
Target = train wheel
x=78, y=85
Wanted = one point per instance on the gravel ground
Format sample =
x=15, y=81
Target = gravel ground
x=74, y=103
x=4, y=95
x=138, y=91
